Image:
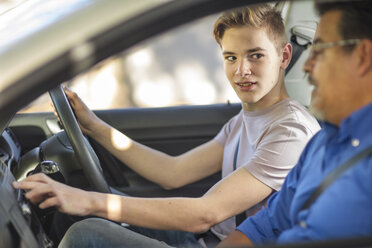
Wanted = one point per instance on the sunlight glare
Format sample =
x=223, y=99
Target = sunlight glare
x=120, y=141
x=141, y=58
x=197, y=88
x=157, y=92
x=114, y=207
x=104, y=85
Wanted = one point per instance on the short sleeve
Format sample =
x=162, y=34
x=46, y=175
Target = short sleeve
x=226, y=130
x=277, y=152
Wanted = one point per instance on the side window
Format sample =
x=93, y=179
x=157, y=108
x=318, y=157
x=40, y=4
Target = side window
x=182, y=66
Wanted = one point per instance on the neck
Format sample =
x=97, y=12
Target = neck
x=277, y=94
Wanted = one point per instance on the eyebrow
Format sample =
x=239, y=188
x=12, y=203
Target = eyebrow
x=252, y=50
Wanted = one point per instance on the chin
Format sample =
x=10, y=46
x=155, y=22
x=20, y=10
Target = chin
x=249, y=99
x=318, y=114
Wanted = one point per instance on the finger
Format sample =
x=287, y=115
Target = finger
x=72, y=98
x=50, y=202
x=26, y=185
x=38, y=177
x=34, y=181
x=40, y=192
x=66, y=88
x=69, y=93
x=54, y=110
x=22, y=185
x=35, y=199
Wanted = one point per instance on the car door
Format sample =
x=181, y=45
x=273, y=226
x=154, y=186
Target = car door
x=173, y=130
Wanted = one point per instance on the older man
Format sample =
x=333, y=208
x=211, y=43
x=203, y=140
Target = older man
x=340, y=68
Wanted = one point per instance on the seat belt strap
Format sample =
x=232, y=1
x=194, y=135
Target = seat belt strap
x=236, y=155
x=240, y=217
x=296, y=53
x=335, y=174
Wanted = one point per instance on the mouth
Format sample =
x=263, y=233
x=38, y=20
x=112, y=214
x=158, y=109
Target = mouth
x=312, y=81
x=245, y=86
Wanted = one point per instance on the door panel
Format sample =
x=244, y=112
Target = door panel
x=173, y=130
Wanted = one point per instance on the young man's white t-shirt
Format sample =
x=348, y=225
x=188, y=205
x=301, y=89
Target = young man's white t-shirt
x=271, y=142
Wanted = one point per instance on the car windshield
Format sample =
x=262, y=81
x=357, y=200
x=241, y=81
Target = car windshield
x=50, y=32
x=30, y=16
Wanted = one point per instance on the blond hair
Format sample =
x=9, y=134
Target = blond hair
x=257, y=16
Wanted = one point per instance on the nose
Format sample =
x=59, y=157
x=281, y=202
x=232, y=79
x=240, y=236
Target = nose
x=243, y=68
x=309, y=64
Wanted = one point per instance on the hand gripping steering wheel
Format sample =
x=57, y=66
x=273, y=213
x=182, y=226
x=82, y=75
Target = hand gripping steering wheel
x=84, y=152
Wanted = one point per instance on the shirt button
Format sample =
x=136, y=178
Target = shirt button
x=303, y=224
x=355, y=142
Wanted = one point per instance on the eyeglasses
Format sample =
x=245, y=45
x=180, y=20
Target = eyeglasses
x=317, y=48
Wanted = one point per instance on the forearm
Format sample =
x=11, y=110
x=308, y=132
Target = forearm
x=163, y=169
x=186, y=214
x=149, y=163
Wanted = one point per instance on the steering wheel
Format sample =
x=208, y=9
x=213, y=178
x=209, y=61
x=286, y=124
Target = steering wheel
x=84, y=152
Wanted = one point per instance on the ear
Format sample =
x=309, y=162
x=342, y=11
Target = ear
x=364, y=57
x=286, y=55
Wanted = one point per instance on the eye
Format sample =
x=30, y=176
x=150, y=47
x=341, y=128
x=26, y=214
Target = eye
x=256, y=56
x=315, y=52
x=230, y=58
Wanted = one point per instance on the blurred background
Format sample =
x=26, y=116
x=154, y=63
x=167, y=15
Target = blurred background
x=182, y=66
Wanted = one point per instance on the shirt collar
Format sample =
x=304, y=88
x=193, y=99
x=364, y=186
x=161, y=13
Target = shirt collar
x=357, y=125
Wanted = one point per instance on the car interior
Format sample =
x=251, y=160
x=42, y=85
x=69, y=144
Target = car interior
x=38, y=141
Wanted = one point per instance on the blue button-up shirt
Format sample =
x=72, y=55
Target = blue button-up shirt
x=343, y=210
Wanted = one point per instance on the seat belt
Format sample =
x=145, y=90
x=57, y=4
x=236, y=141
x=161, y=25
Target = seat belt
x=335, y=174
x=296, y=52
x=240, y=217
x=236, y=154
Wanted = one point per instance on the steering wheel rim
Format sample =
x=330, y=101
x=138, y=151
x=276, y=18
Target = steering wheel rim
x=84, y=152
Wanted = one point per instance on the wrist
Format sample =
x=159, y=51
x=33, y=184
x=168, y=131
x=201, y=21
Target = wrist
x=96, y=204
x=106, y=206
x=95, y=127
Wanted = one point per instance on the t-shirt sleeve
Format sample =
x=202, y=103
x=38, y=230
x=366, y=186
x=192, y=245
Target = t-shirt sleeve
x=225, y=131
x=277, y=152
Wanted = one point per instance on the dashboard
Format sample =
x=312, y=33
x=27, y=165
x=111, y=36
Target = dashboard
x=19, y=224
x=10, y=150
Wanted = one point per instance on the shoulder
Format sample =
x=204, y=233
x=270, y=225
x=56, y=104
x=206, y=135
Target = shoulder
x=236, y=120
x=294, y=115
x=230, y=128
x=314, y=146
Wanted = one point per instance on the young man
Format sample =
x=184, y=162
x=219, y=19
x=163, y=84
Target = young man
x=340, y=68
x=267, y=137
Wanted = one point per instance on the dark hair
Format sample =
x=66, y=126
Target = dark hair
x=258, y=16
x=356, y=17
